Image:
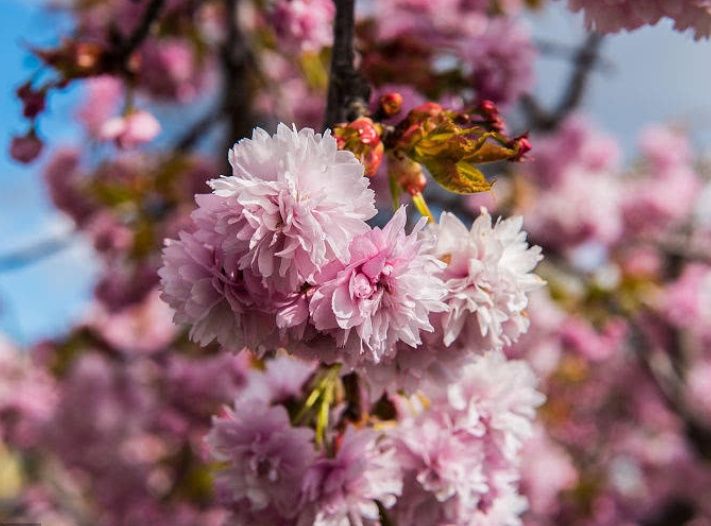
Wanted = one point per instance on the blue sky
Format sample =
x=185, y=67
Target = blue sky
x=41, y=299
x=658, y=75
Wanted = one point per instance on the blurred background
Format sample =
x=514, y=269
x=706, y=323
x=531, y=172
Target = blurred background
x=105, y=402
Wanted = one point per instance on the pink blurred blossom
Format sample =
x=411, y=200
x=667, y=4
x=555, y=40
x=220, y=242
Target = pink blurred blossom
x=501, y=59
x=344, y=488
x=144, y=328
x=26, y=148
x=101, y=103
x=132, y=130
x=611, y=16
x=266, y=457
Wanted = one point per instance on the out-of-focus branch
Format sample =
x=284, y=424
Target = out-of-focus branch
x=684, y=248
x=659, y=366
x=33, y=254
x=194, y=133
x=236, y=59
x=585, y=60
x=135, y=39
x=348, y=92
x=551, y=48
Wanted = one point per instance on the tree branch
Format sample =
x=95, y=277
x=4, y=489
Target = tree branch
x=237, y=96
x=659, y=367
x=33, y=254
x=585, y=60
x=135, y=39
x=348, y=93
x=199, y=128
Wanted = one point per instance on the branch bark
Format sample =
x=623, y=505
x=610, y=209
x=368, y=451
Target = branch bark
x=348, y=93
x=237, y=96
x=129, y=45
x=659, y=367
x=585, y=60
x=188, y=140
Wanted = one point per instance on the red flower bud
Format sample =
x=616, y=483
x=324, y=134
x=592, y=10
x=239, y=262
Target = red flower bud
x=427, y=109
x=408, y=173
x=488, y=107
x=365, y=128
x=33, y=101
x=27, y=148
x=522, y=146
x=391, y=104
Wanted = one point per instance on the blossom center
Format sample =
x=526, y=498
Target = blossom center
x=361, y=287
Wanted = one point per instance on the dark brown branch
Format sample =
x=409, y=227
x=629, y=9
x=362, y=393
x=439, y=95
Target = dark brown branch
x=661, y=370
x=585, y=60
x=192, y=135
x=553, y=49
x=135, y=39
x=33, y=254
x=238, y=88
x=348, y=93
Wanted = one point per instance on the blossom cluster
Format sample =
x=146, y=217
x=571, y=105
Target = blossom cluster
x=453, y=462
x=280, y=255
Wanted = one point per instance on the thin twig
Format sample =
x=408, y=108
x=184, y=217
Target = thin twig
x=348, y=92
x=192, y=135
x=585, y=60
x=551, y=48
x=33, y=254
x=135, y=39
x=660, y=369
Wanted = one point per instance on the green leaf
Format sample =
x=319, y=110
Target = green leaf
x=395, y=191
x=458, y=177
x=419, y=201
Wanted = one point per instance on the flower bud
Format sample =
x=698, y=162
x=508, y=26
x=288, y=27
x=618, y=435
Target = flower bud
x=27, y=148
x=33, y=102
x=427, y=109
x=490, y=112
x=391, y=104
x=362, y=137
x=522, y=146
x=409, y=174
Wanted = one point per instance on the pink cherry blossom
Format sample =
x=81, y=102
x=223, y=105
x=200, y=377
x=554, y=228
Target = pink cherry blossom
x=384, y=293
x=344, y=489
x=611, y=16
x=297, y=203
x=131, y=130
x=266, y=456
x=488, y=277
x=303, y=25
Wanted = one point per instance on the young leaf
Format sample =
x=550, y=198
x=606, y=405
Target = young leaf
x=458, y=177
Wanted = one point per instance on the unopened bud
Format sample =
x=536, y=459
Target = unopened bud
x=27, y=148
x=427, y=109
x=488, y=107
x=33, y=102
x=522, y=146
x=409, y=174
x=490, y=112
x=391, y=104
x=367, y=133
